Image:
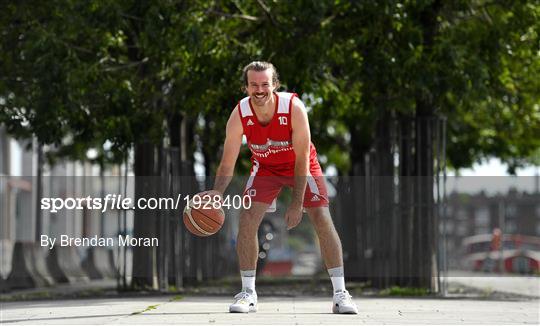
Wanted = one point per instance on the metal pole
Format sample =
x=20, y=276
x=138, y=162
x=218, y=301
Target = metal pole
x=502, y=213
x=120, y=212
x=444, y=258
x=38, y=190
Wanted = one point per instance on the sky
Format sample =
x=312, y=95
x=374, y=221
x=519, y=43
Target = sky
x=494, y=167
x=491, y=177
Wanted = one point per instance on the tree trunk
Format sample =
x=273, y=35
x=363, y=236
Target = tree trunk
x=175, y=248
x=382, y=220
x=144, y=224
x=406, y=200
x=423, y=247
x=354, y=206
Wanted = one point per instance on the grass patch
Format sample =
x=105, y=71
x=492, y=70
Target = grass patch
x=26, y=296
x=487, y=292
x=152, y=307
x=176, y=298
x=405, y=291
x=91, y=292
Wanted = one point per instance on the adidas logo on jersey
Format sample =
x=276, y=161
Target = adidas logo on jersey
x=250, y=123
x=315, y=198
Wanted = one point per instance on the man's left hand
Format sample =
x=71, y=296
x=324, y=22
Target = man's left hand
x=293, y=216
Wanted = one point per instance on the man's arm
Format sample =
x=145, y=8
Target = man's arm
x=301, y=137
x=231, y=148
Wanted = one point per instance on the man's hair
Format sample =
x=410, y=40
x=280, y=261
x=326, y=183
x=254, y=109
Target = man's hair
x=261, y=66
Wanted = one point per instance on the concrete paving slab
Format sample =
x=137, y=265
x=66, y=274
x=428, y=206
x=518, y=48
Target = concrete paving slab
x=272, y=311
x=77, y=311
x=514, y=284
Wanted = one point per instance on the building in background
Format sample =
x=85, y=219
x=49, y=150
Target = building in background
x=472, y=225
x=24, y=261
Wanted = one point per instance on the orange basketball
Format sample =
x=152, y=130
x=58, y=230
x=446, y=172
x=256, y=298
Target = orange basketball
x=203, y=219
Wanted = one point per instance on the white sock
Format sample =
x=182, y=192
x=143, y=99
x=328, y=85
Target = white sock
x=337, y=278
x=248, y=280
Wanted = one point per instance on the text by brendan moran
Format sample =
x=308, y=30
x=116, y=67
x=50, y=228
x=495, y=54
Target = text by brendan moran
x=122, y=240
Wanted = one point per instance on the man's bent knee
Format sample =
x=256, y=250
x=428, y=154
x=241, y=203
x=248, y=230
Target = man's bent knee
x=250, y=220
x=320, y=216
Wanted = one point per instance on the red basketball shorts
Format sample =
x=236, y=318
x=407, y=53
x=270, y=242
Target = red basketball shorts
x=265, y=183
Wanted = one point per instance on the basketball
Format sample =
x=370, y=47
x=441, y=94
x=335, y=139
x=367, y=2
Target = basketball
x=202, y=219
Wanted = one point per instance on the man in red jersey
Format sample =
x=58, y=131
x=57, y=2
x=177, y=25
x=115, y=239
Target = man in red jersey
x=277, y=131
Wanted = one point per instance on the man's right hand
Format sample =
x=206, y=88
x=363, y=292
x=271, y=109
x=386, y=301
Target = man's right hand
x=293, y=216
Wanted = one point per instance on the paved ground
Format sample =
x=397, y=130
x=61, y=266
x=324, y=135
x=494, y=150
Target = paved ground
x=272, y=310
x=521, y=285
x=485, y=299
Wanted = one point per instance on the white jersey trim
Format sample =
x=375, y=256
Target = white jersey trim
x=245, y=110
x=284, y=101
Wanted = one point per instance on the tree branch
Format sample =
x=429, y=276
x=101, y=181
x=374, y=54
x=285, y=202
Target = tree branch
x=58, y=39
x=126, y=66
x=267, y=12
x=236, y=16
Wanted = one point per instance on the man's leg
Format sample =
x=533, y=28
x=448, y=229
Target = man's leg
x=333, y=257
x=247, y=247
x=329, y=241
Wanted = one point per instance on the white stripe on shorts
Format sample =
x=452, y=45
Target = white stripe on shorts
x=253, y=173
x=313, y=185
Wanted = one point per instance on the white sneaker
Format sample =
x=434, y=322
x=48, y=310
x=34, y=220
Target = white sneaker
x=343, y=303
x=244, y=302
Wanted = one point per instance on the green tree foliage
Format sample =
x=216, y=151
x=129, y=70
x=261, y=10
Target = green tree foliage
x=476, y=62
x=79, y=73
x=493, y=102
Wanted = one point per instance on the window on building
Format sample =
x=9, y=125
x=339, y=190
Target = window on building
x=510, y=226
x=462, y=229
x=461, y=214
x=481, y=217
x=511, y=210
x=481, y=229
x=449, y=227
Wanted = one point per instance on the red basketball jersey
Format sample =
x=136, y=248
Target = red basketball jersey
x=271, y=144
